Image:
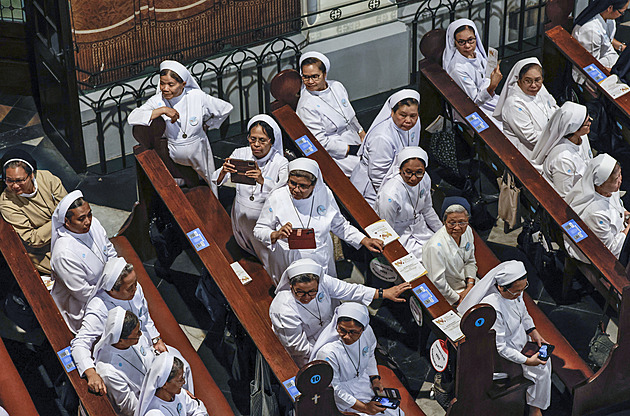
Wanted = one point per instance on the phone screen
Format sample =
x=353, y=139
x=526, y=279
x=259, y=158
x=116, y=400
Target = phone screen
x=543, y=351
x=386, y=402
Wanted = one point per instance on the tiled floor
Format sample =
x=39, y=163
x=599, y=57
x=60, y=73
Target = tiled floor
x=17, y=112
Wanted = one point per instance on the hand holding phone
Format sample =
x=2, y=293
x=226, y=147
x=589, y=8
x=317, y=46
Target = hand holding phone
x=544, y=352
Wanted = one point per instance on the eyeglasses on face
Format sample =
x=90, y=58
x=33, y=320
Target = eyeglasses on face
x=300, y=186
x=621, y=12
x=453, y=224
x=344, y=332
x=9, y=181
x=314, y=77
x=518, y=292
x=471, y=41
x=301, y=293
x=530, y=81
x=409, y=174
x=262, y=141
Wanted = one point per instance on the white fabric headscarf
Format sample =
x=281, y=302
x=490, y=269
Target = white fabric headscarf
x=111, y=271
x=298, y=267
x=59, y=215
x=354, y=310
x=597, y=171
x=503, y=274
x=386, y=110
x=155, y=378
x=310, y=166
x=183, y=72
x=319, y=56
x=406, y=153
x=567, y=120
x=113, y=330
x=450, y=50
x=277, y=133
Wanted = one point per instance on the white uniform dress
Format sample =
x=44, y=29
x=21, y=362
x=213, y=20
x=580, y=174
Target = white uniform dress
x=566, y=164
x=182, y=405
x=329, y=115
x=449, y=265
x=77, y=262
x=596, y=36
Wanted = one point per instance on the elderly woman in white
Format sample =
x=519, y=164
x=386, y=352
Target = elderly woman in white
x=465, y=60
x=563, y=150
x=265, y=148
x=595, y=198
x=405, y=202
x=449, y=256
x=503, y=288
x=188, y=112
x=305, y=203
x=348, y=345
x=305, y=300
x=396, y=126
x=325, y=108
x=525, y=105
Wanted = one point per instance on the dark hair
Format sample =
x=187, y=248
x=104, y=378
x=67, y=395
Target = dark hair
x=129, y=324
x=76, y=204
x=529, y=66
x=347, y=319
x=461, y=29
x=266, y=127
x=172, y=74
x=125, y=272
x=405, y=101
x=509, y=285
x=314, y=61
x=19, y=164
x=299, y=173
x=303, y=278
x=178, y=366
x=413, y=158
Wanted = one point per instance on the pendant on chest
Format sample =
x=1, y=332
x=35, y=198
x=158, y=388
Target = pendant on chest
x=251, y=197
x=184, y=135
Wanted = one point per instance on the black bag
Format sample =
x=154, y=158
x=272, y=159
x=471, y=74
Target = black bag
x=17, y=309
x=538, y=250
x=599, y=347
x=443, y=148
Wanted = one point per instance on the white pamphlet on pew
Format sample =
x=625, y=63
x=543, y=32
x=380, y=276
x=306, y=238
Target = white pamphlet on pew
x=613, y=86
x=383, y=231
x=493, y=61
x=409, y=267
x=242, y=275
x=449, y=324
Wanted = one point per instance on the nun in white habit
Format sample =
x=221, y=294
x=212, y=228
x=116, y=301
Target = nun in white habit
x=79, y=250
x=595, y=198
x=525, y=105
x=305, y=202
x=188, y=111
x=465, y=60
x=325, y=108
x=405, y=202
x=503, y=288
x=305, y=301
x=563, y=151
x=162, y=393
x=265, y=148
x=396, y=126
x=348, y=344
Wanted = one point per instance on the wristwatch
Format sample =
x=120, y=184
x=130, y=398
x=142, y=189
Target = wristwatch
x=156, y=340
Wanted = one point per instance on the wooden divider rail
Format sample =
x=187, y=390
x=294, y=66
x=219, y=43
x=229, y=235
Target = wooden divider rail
x=14, y=397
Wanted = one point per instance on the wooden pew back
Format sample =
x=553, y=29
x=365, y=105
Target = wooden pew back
x=14, y=397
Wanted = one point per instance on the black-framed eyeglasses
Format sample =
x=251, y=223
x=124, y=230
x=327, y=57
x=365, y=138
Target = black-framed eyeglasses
x=299, y=185
x=470, y=41
x=519, y=292
x=344, y=332
x=530, y=81
x=621, y=12
x=262, y=141
x=314, y=77
x=9, y=181
x=301, y=293
x=408, y=174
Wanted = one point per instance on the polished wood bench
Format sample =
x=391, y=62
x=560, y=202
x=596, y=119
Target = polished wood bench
x=14, y=397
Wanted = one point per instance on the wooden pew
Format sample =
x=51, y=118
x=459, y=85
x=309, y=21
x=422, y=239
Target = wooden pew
x=48, y=316
x=14, y=397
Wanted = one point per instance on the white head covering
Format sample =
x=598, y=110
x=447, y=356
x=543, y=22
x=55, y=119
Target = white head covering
x=503, y=274
x=317, y=55
x=354, y=310
x=406, y=153
x=511, y=85
x=113, y=330
x=59, y=215
x=277, y=133
x=112, y=270
x=155, y=378
x=298, y=267
x=597, y=171
x=450, y=50
x=567, y=120
x=310, y=166
x=183, y=72
x=386, y=110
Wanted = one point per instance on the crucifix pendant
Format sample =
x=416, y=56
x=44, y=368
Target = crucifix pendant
x=184, y=135
x=251, y=197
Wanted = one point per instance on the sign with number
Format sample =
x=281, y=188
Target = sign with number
x=425, y=295
x=575, y=231
x=66, y=359
x=477, y=122
x=197, y=239
x=305, y=144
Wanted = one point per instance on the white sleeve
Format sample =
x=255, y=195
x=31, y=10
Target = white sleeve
x=387, y=208
x=146, y=317
x=341, y=227
x=562, y=175
x=504, y=350
x=430, y=216
x=92, y=328
x=520, y=122
x=141, y=116
x=435, y=263
x=215, y=111
x=283, y=175
x=528, y=322
x=339, y=289
x=119, y=393
x=591, y=40
x=266, y=224
x=194, y=407
x=69, y=269
x=470, y=264
x=466, y=83
x=288, y=329
x=216, y=173
x=600, y=224
x=341, y=395
x=381, y=157
x=315, y=123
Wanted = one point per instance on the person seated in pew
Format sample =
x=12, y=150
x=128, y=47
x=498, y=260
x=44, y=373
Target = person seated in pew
x=396, y=126
x=465, y=60
x=79, y=250
x=595, y=198
x=265, y=148
x=405, y=202
x=28, y=202
x=525, y=105
x=563, y=151
x=595, y=29
x=162, y=392
x=348, y=344
x=305, y=301
x=188, y=112
x=503, y=288
x=304, y=212
x=449, y=256
x=325, y=108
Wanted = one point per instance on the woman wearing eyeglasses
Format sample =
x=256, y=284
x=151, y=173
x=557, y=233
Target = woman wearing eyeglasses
x=405, y=202
x=304, y=213
x=525, y=105
x=325, y=109
x=449, y=256
x=465, y=60
x=270, y=171
x=305, y=301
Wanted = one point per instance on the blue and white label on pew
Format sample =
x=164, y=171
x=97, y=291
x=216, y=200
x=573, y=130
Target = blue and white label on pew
x=307, y=146
x=66, y=359
x=197, y=239
x=575, y=232
x=594, y=72
x=290, y=386
x=425, y=295
x=477, y=122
